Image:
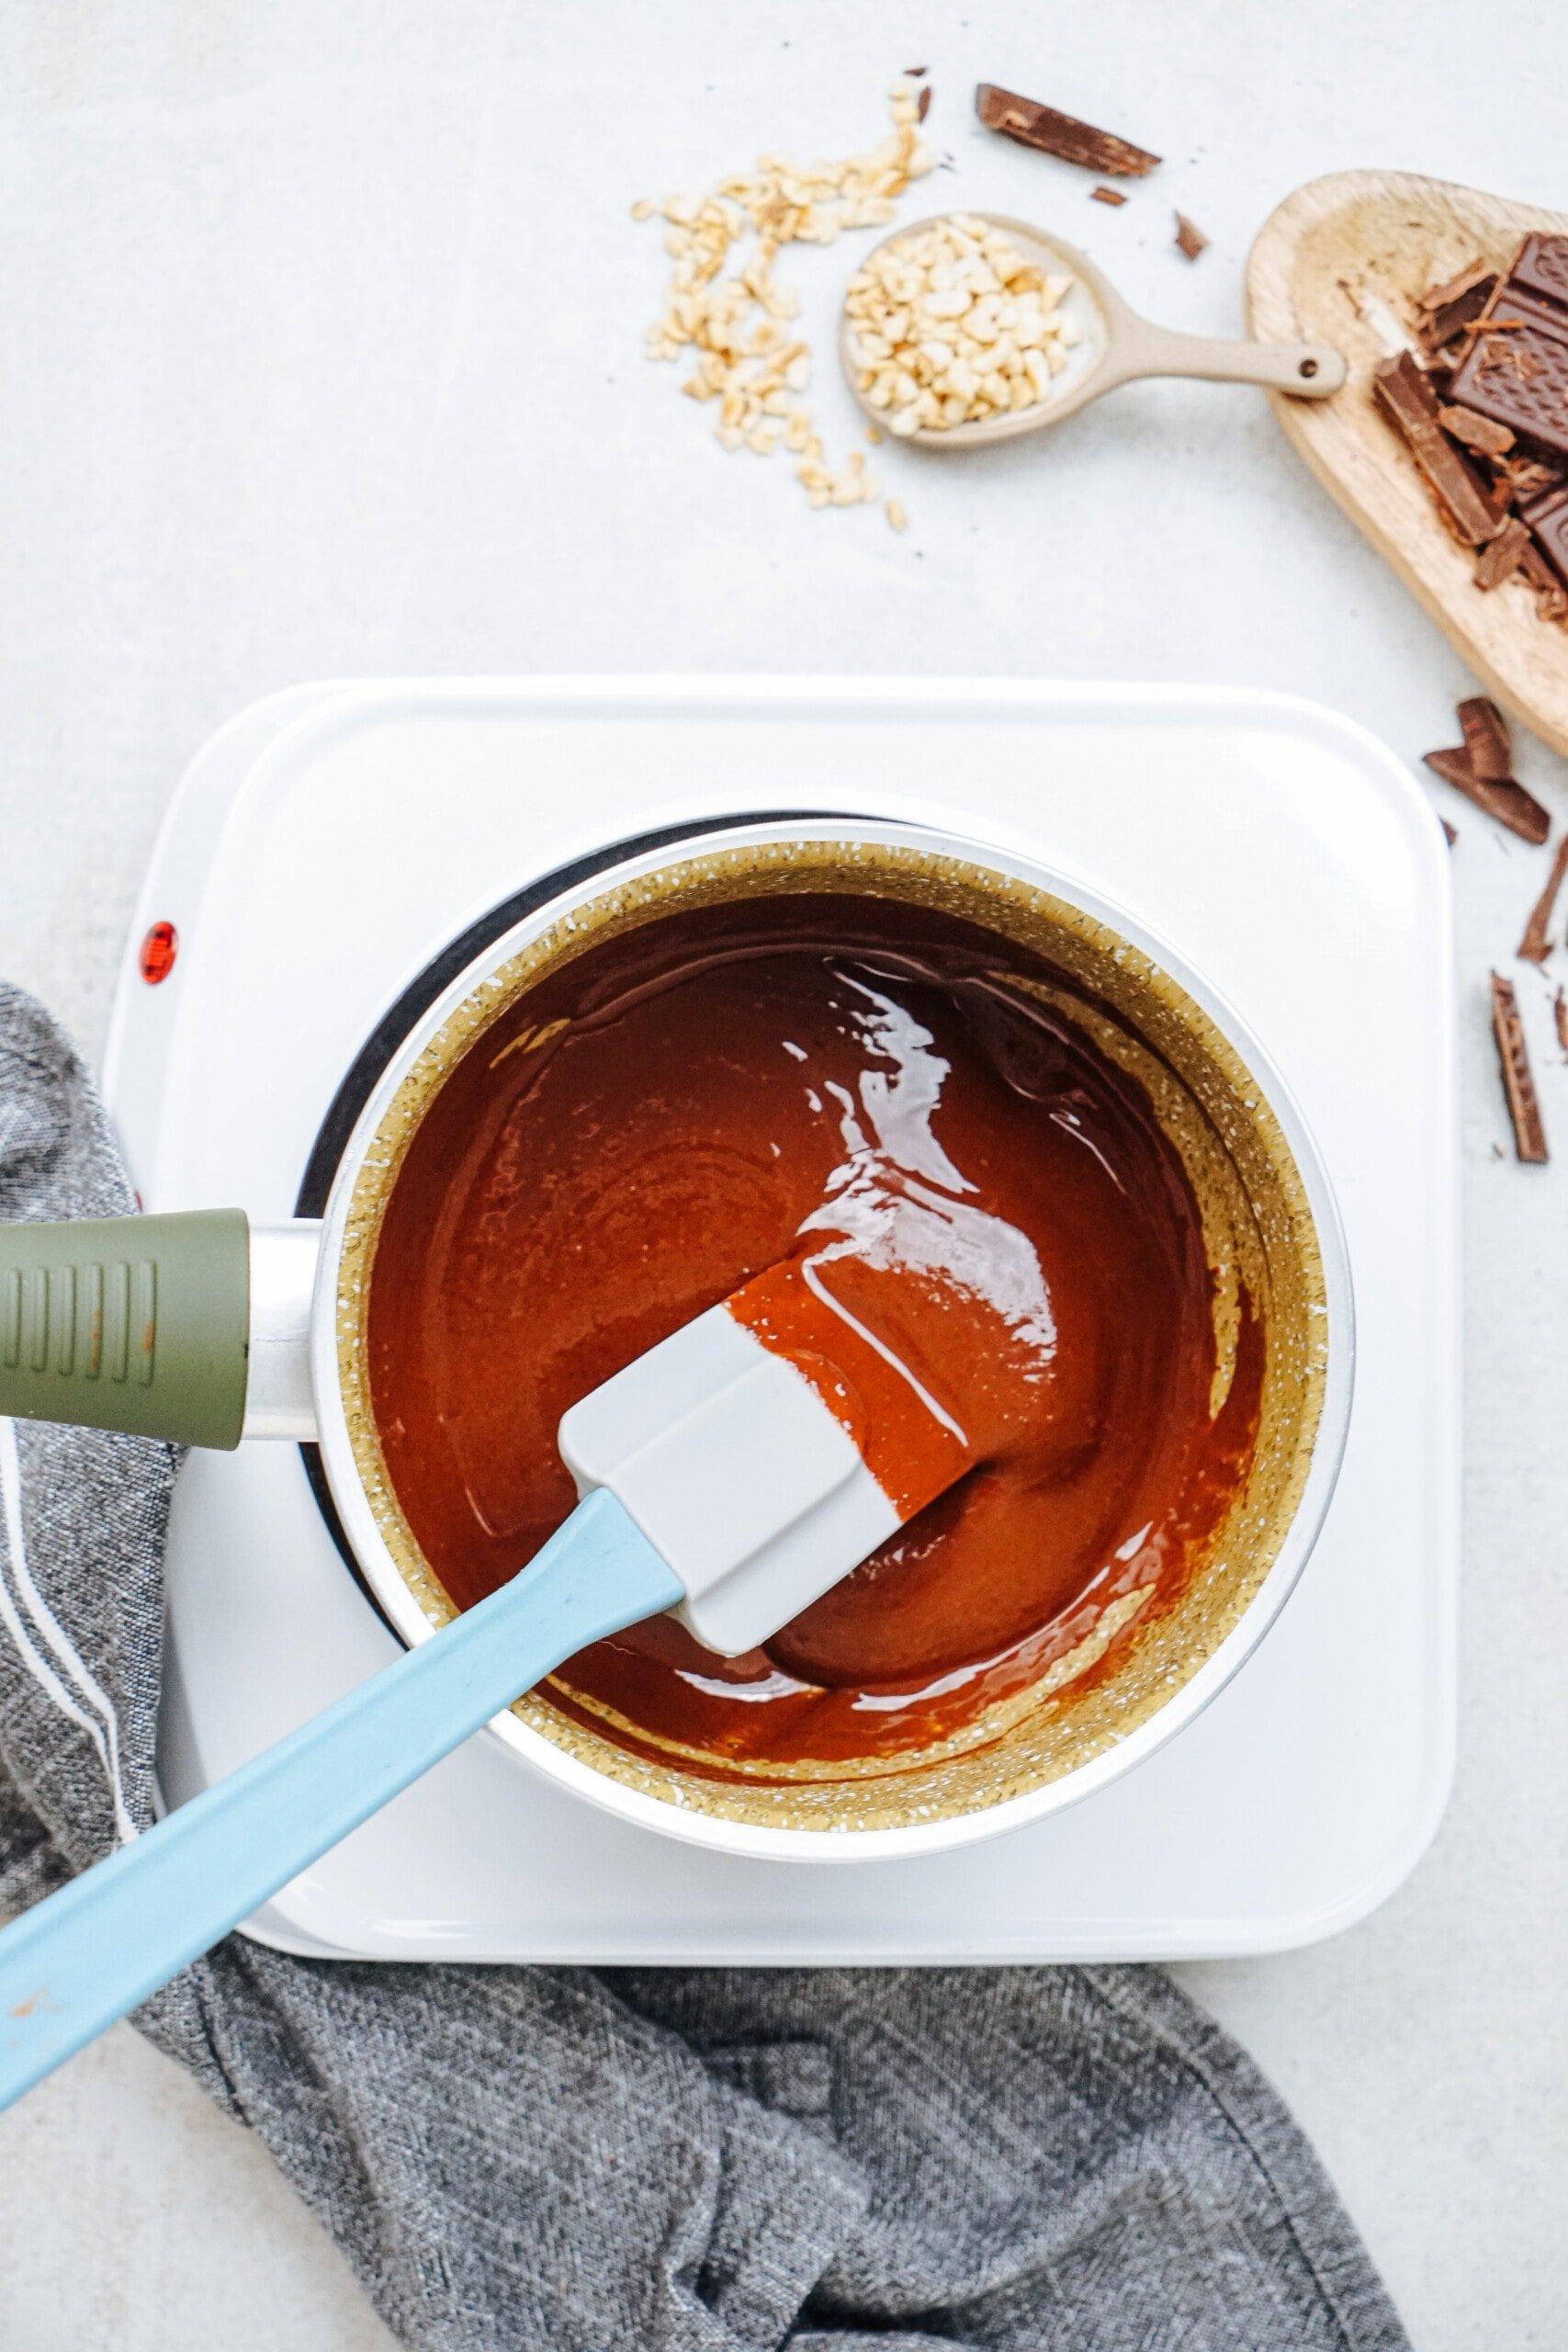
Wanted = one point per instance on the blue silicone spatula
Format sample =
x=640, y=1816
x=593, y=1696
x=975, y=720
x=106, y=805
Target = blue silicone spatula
x=715, y=1481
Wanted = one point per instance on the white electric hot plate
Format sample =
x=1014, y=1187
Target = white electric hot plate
x=327, y=845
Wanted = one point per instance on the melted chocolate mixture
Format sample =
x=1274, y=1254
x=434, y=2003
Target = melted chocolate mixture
x=871, y=1092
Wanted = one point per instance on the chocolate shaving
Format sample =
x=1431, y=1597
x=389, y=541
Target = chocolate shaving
x=1519, y=1084
x=925, y=106
x=1501, y=557
x=1528, y=476
x=1482, y=434
x=1559, y=1014
x=1060, y=134
x=1487, y=740
x=1450, y=833
x=1189, y=237
x=913, y=73
x=1405, y=391
x=1106, y=196
x=1510, y=803
x=1536, y=944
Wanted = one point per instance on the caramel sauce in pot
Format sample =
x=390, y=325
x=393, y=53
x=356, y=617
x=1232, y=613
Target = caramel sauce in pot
x=892, y=1102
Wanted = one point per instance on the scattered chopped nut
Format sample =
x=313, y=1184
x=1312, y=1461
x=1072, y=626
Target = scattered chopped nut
x=1189, y=237
x=952, y=323
x=1106, y=196
x=896, y=518
x=748, y=361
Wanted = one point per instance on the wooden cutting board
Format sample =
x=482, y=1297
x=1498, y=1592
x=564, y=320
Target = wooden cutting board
x=1340, y=261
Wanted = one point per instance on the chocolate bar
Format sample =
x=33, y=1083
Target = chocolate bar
x=1470, y=509
x=1516, y=371
x=1540, y=266
x=1060, y=134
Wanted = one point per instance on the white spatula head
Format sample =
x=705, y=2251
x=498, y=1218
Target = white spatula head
x=745, y=1465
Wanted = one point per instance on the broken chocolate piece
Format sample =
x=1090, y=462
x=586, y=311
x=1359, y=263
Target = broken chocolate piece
x=1536, y=944
x=1487, y=741
x=1508, y=802
x=1060, y=134
x=1516, y=368
x=1106, y=196
x=1519, y=1084
x=1457, y=303
x=1540, y=266
x=1551, y=596
x=1501, y=557
x=1482, y=434
x=1547, y=515
x=1453, y=288
x=1470, y=508
x=1189, y=237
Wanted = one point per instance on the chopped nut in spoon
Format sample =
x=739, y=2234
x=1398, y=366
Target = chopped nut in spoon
x=748, y=357
x=952, y=323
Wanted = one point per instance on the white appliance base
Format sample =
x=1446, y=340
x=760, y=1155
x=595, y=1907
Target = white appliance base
x=326, y=844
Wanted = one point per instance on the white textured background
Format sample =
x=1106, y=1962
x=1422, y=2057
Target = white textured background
x=320, y=355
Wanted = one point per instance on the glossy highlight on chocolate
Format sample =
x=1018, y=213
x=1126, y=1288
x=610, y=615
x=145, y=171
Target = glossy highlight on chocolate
x=913, y=1113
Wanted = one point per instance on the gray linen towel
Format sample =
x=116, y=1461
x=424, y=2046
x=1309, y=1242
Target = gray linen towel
x=712, y=2161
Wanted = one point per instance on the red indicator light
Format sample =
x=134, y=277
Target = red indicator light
x=158, y=951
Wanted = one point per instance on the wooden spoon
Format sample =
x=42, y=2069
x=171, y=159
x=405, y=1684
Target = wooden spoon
x=1346, y=257
x=1115, y=346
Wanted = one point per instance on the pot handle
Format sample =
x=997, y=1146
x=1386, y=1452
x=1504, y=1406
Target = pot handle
x=145, y=1324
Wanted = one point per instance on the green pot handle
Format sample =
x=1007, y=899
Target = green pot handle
x=134, y=1323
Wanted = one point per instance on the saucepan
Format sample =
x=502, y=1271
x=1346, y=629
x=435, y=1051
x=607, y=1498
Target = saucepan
x=208, y=1328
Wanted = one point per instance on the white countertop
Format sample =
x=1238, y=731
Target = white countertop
x=322, y=358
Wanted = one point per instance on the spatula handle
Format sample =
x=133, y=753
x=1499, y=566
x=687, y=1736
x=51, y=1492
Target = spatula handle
x=1311, y=371
x=83, y=1958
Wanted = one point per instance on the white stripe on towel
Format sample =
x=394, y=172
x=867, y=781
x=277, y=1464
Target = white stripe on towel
x=102, y=1725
